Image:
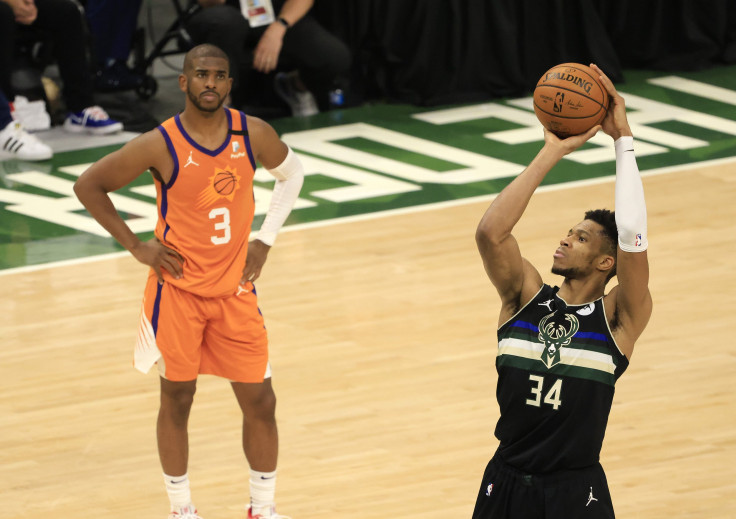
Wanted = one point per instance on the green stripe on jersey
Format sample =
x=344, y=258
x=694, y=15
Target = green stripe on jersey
x=586, y=364
x=561, y=370
x=593, y=345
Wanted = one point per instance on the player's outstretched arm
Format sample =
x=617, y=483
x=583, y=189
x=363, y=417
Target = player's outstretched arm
x=284, y=165
x=515, y=279
x=115, y=171
x=630, y=301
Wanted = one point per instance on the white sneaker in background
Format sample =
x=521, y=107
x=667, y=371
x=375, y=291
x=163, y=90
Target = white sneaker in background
x=31, y=114
x=300, y=100
x=16, y=143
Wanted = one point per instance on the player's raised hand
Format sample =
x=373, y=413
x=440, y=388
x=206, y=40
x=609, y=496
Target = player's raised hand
x=157, y=256
x=615, y=123
x=570, y=144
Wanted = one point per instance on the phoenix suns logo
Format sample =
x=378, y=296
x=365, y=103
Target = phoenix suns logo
x=223, y=184
x=554, y=335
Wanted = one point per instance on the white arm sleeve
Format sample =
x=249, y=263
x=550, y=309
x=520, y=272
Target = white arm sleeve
x=289, y=179
x=631, y=210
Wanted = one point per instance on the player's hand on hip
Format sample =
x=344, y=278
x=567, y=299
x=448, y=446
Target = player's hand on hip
x=615, y=123
x=257, y=253
x=157, y=256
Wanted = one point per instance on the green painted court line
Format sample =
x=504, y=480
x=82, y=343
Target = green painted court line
x=383, y=158
x=396, y=212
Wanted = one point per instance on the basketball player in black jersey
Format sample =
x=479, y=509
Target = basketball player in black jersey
x=561, y=349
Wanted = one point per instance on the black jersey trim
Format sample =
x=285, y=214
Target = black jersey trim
x=610, y=332
x=510, y=319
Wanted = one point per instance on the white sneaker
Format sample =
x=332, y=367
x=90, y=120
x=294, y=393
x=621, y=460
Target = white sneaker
x=31, y=114
x=185, y=512
x=16, y=143
x=268, y=512
x=301, y=102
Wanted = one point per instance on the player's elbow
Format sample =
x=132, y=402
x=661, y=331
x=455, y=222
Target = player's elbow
x=82, y=185
x=79, y=187
x=481, y=236
x=85, y=187
x=488, y=235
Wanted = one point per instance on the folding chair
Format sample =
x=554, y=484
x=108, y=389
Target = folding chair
x=176, y=32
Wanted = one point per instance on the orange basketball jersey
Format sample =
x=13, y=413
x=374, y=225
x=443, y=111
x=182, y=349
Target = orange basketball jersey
x=206, y=209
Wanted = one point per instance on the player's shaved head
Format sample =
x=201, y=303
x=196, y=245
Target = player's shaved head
x=206, y=50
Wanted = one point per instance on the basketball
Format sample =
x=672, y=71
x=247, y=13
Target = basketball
x=569, y=99
x=224, y=182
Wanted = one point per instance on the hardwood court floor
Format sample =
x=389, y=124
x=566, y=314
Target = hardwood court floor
x=383, y=346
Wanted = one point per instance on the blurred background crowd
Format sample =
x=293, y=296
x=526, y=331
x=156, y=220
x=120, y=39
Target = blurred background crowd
x=98, y=67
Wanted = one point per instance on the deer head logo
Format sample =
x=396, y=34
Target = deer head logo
x=555, y=335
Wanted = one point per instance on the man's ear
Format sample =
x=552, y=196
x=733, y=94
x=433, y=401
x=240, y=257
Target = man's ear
x=606, y=262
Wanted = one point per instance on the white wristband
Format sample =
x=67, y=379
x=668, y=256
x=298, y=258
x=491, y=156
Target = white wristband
x=631, y=209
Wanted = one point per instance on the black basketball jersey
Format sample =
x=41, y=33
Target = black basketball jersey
x=557, y=366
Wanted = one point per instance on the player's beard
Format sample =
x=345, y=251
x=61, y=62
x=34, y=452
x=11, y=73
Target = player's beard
x=568, y=273
x=195, y=100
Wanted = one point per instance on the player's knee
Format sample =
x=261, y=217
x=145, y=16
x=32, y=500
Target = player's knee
x=178, y=399
x=264, y=406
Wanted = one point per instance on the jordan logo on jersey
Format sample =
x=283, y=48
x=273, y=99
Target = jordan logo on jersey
x=554, y=335
x=222, y=184
x=190, y=160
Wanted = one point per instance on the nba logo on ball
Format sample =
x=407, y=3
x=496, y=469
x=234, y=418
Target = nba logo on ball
x=569, y=99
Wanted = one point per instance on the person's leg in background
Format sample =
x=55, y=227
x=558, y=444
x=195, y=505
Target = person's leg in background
x=5, y=117
x=112, y=24
x=64, y=22
x=7, y=47
x=323, y=59
x=225, y=27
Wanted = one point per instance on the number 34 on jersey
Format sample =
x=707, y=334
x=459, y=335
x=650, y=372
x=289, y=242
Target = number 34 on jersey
x=552, y=394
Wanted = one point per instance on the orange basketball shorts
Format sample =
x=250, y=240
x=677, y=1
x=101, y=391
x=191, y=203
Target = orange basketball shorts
x=188, y=335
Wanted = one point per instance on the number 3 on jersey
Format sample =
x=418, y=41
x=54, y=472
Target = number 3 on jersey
x=552, y=397
x=221, y=215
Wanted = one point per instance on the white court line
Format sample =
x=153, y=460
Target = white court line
x=696, y=88
x=394, y=212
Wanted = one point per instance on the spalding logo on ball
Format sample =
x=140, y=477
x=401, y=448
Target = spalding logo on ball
x=569, y=99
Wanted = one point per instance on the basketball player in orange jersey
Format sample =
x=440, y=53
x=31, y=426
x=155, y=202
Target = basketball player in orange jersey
x=561, y=350
x=200, y=313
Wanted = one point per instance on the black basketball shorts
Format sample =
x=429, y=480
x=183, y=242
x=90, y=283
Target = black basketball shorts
x=507, y=493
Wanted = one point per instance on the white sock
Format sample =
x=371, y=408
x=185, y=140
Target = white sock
x=177, y=487
x=262, y=489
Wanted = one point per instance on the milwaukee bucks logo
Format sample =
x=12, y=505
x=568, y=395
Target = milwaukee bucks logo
x=554, y=335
